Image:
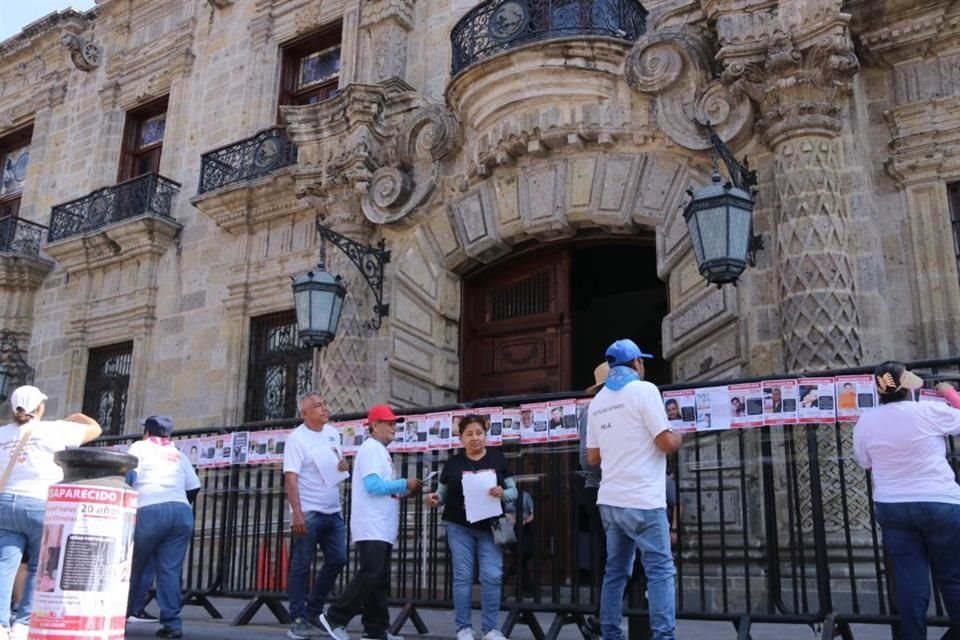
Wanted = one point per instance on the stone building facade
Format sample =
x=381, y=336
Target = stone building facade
x=422, y=123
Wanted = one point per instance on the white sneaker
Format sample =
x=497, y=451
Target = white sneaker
x=19, y=631
x=4, y=633
x=466, y=634
x=337, y=633
x=494, y=634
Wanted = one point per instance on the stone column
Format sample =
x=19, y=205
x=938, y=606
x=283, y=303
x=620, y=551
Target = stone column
x=384, y=27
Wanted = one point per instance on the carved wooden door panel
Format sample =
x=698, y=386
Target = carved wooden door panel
x=516, y=338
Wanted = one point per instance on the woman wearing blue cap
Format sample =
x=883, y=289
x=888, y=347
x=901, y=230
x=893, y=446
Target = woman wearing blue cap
x=167, y=485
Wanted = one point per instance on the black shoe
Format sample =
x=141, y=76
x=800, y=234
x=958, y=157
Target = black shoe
x=164, y=632
x=142, y=616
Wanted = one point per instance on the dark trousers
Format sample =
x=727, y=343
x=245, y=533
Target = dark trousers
x=367, y=591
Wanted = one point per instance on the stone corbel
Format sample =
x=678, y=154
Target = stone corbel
x=86, y=55
x=426, y=137
x=220, y=4
x=674, y=65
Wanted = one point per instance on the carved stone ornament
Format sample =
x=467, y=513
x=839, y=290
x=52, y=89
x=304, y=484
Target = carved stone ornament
x=220, y=4
x=674, y=64
x=86, y=55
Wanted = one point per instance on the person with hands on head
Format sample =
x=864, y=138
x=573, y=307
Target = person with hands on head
x=471, y=543
x=374, y=524
x=27, y=447
x=314, y=513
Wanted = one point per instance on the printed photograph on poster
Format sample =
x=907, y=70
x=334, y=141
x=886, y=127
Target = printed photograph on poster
x=511, y=424
x=780, y=402
x=931, y=395
x=681, y=409
x=534, y=423
x=239, y=448
x=582, y=405
x=456, y=417
x=190, y=447
x=348, y=436
x=493, y=416
x=416, y=433
x=563, y=420
x=51, y=545
x=713, y=408
x=855, y=394
x=273, y=445
x=746, y=405
x=399, y=444
x=817, y=403
x=438, y=434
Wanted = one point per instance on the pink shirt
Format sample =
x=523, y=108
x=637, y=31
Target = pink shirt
x=904, y=445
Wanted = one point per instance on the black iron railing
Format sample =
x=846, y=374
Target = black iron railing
x=500, y=25
x=149, y=194
x=20, y=236
x=248, y=159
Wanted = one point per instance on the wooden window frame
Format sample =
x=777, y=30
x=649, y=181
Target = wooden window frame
x=291, y=55
x=131, y=153
x=10, y=204
x=953, y=198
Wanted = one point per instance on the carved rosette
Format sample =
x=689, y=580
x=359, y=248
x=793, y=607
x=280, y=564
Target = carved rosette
x=674, y=65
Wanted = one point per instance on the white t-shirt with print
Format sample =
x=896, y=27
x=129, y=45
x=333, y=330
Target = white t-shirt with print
x=623, y=425
x=298, y=457
x=164, y=473
x=373, y=517
x=903, y=443
x=35, y=470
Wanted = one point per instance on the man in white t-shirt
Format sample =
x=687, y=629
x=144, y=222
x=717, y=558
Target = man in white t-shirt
x=312, y=456
x=629, y=436
x=374, y=524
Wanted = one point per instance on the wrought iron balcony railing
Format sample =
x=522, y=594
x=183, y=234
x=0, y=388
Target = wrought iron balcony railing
x=500, y=25
x=248, y=159
x=21, y=236
x=149, y=194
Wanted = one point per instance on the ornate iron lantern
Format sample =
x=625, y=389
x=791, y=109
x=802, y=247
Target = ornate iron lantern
x=13, y=366
x=318, y=298
x=4, y=383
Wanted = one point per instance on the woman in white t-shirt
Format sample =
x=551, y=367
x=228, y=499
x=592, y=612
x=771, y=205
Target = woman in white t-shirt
x=28, y=471
x=915, y=493
x=166, y=484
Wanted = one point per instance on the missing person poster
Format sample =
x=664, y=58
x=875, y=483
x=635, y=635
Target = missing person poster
x=780, y=402
x=438, y=430
x=817, y=403
x=83, y=571
x=563, y=420
x=713, y=408
x=681, y=409
x=931, y=395
x=746, y=405
x=534, y=425
x=493, y=416
x=855, y=394
x=239, y=448
x=416, y=434
x=351, y=436
x=511, y=424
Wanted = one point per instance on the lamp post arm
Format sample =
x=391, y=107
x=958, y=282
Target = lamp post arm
x=742, y=176
x=370, y=260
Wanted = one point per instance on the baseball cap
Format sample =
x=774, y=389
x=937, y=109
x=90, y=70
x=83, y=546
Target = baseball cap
x=381, y=412
x=890, y=377
x=624, y=351
x=27, y=398
x=161, y=426
x=600, y=373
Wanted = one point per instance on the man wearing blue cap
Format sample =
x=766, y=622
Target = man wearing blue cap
x=629, y=436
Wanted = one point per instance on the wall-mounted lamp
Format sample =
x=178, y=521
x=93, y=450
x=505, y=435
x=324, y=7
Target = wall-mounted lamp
x=13, y=366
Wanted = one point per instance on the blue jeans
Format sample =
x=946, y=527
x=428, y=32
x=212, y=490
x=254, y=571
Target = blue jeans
x=627, y=531
x=328, y=531
x=138, y=593
x=162, y=536
x=468, y=546
x=21, y=530
x=918, y=537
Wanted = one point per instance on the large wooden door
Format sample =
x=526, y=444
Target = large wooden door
x=516, y=336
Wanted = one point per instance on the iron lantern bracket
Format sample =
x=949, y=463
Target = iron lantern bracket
x=370, y=260
x=12, y=359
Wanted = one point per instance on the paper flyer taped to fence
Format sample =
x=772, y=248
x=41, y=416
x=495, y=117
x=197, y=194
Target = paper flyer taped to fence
x=713, y=408
x=493, y=416
x=681, y=409
x=83, y=572
x=780, y=402
x=931, y=395
x=351, y=437
x=563, y=420
x=416, y=433
x=855, y=394
x=438, y=434
x=817, y=401
x=534, y=423
x=455, y=418
x=511, y=424
x=746, y=405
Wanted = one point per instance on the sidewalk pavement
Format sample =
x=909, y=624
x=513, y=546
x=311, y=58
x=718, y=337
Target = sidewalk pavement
x=198, y=625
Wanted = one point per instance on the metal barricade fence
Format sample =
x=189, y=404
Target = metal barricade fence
x=774, y=524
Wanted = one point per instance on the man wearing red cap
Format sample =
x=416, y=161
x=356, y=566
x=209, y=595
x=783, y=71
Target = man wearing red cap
x=374, y=524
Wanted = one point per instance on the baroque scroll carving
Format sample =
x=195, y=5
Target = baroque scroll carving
x=674, y=65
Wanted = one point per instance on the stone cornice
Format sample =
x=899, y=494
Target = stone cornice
x=242, y=207
x=376, y=11
x=23, y=272
x=925, y=141
x=45, y=27
x=141, y=236
x=891, y=31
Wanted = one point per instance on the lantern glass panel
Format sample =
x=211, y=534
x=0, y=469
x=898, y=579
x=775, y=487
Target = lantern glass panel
x=693, y=227
x=713, y=231
x=335, y=317
x=740, y=231
x=321, y=305
x=302, y=300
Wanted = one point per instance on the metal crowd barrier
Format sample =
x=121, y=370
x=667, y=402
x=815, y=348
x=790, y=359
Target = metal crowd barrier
x=774, y=525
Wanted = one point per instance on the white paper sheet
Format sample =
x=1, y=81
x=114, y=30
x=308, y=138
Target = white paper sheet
x=327, y=459
x=479, y=504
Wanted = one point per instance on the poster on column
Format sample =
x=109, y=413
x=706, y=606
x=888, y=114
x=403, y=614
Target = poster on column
x=493, y=416
x=438, y=434
x=746, y=405
x=780, y=402
x=931, y=395
x=817, y=403
x=416, y=433
x=85, y=555
x=534, y=425
x=563, y=420
x=681, y=409
x=511, y=424
x=855, y=394
x=713, y=408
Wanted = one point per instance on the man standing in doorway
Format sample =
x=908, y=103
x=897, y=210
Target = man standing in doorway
x=629, y=436
x=315, y=513
x=374, y=525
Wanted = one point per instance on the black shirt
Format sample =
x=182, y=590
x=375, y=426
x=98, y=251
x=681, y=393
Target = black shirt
x=452, y=475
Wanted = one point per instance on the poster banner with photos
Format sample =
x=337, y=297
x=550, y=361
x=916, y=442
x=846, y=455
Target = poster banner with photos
x=534, y=423
x=562, y=420
x=713, y=408
x=746, y=405
x=817, y=401
x=416, y=433
x=511, y=424
x=855, y=394
x=780, y=402
x=494, y=419
x=681, y=409
x=352, y=434
x=215, y=451
x=439, y=429
x=931, y=395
